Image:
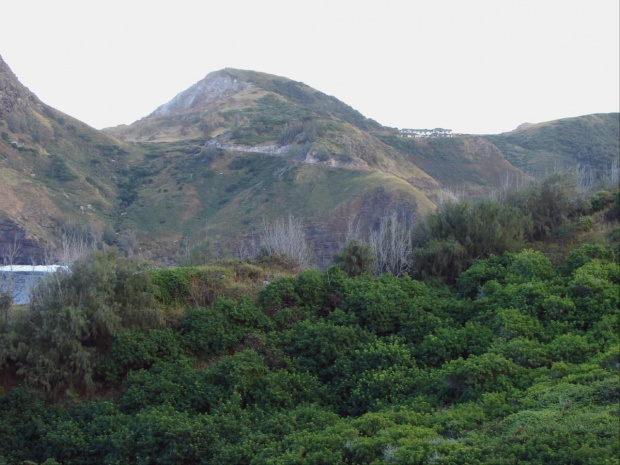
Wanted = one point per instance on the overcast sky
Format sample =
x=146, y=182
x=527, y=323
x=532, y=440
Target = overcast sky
x=475, y=66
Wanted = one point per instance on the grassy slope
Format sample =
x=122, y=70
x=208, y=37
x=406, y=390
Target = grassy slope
x=464, y=164
x=54, y=164
x=228, y=192
x=592, y=140
x=232, y=194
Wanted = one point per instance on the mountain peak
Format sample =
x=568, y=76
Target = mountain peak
x=215, y=86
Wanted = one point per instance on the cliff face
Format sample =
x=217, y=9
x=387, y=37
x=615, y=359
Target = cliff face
x=14, y=241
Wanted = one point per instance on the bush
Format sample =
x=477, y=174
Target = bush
x=549, y=202
x=354, y=258
x=59, y=170
x=600, y=200
x=450, y=240
x=74, y=315
x=135, y=350
x=220, y=327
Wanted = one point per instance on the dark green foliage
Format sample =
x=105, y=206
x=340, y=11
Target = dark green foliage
x=190, y=285
x=161, y=435
x=471, y=281
x=223, y=325
x=72, y=314
x=109, y=235
x=600, y=200
x=613, y=214
x=446, y=344
x=518, y=363
x=382, y=305
x=133, y=350
x=59, y=170
x=549, y=202
x=377, y=374
x=280, y=294
x=354, y=258
x=315, y=346
x=463, y=380
x=450, y=240
x=586, y=253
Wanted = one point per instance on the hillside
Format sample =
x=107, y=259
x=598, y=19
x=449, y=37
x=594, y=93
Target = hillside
x=54, y=169
x=591, y=141
x=467, y=165
x=240, y=148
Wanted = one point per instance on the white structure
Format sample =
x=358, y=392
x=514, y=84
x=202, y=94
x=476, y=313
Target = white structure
x=424, y=133
x=19, y=279
x=32, y=268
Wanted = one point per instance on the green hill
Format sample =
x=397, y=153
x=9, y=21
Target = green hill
x=239, y=148
x=53, y=169
x=591, y=141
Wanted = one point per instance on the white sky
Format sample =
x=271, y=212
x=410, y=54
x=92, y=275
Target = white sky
x=475, y=66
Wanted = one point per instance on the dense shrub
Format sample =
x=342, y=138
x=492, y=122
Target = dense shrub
x=354, y=258
x=450, y=240
x=550, y=203
x=518, y=363
x=223, y=325
x=73, y=314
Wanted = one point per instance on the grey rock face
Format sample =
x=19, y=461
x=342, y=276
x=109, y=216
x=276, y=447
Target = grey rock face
x=212, y=88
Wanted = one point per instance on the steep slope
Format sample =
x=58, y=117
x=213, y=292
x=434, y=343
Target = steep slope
x=239, y=147
x=592, y=141
x=53, y=170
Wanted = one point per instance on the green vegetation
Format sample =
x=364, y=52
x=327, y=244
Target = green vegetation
x=303, y=95
x=502, y=350
x=459, y=233
x=354, y=258
x=59, y=170
x=515, y=362
x=592, y=141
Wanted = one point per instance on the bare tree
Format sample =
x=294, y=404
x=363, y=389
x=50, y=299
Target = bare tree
x=585, y=178
x=354, y=229
x=248, y=249
x=9, y=253
x=73, y=246
x=447, y=195
x=614, y=172
x=391, y=246
x=286, y=237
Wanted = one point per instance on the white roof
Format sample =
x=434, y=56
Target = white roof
x=32, y=268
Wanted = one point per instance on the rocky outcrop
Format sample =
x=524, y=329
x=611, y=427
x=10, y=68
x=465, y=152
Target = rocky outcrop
x=213, y=87
x=13, y=237
x=13, y=95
